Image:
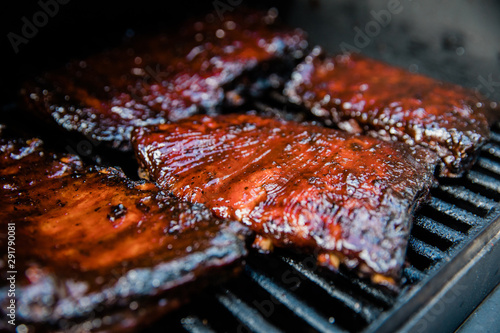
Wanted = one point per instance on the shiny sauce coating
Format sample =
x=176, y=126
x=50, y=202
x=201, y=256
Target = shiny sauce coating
x=302, y=186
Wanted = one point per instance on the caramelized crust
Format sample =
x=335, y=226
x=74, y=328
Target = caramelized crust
x=152, y=79
x=348, y=197
x=362, y=95
x=90, y=243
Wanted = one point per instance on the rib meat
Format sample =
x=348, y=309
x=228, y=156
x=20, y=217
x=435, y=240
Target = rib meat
x=95, y=251
x=169, y=76
x=349, y=198
x=362, y=95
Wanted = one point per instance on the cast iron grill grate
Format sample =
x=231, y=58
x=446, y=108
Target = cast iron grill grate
x=287, y=292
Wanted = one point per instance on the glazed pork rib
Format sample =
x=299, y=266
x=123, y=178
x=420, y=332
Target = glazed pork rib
x=347, y=197
x=362, y=95
x=90, y=243
x=165, y=77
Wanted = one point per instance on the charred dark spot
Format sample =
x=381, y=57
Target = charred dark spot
x=117, y=212
x=142, y=207
x=84, y=253
x=355, y=146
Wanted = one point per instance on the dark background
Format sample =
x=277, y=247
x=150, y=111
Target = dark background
x=454, y=40
x=80, y=28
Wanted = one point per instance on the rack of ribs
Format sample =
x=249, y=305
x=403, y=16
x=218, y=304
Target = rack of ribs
x=347, y=198
x=95, y=251
x=363, y=95
x=152, y=79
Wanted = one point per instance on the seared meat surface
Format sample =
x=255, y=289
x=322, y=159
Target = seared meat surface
x=153, y=79
x=362, y=95
x=348, y=197
x=90, y=243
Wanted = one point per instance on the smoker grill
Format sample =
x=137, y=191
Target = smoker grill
x=454, y=248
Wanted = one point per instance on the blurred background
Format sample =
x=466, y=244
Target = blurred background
x=453, y=40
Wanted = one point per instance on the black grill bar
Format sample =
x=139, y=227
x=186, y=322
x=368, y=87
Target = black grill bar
x=288, y=299
x=369, y=290
x=247, y=315
x=413, y=275
x=440, y=230
x=494, y=136
x=491, y=149
x=489, y=165
x=367, y=312
x=452, y=211
x=464, y=194
x=425, y=250
x=485, y=181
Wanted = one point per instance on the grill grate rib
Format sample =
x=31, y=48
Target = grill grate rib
x=425, y=250
x=297, y=306
x=487, y=182
x=438, y=229
x=246, y=314
x=455, y=214
x=489, y=165
x=413, y=274
x=495, y=136
x=463, y=194
x=367, y=312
